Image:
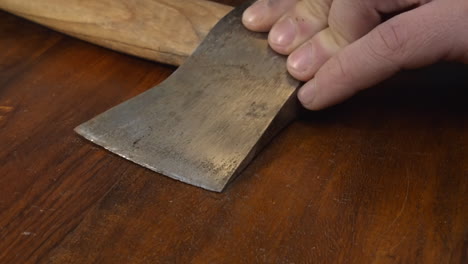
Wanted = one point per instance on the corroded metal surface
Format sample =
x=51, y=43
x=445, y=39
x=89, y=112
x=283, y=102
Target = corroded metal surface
x=206, y=122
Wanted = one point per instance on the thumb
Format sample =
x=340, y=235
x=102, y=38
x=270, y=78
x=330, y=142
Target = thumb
x=412, y=39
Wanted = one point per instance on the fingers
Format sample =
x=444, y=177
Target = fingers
x=337, y=43
x=263, y=14
x=347, y=22
x=290, y=22
x=412, y=39
x=304, y=62
x=299, y=24
x=350, y=20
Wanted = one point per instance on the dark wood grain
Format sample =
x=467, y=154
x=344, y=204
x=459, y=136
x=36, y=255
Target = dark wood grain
x=49, y=177
x=382, y=178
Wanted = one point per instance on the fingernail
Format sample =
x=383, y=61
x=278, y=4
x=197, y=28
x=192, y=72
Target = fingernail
x=307, y=93
x=283, y=33
x=301, y=59
x=254, y=14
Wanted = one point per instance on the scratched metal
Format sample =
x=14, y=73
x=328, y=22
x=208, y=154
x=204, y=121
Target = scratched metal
x=207, y=121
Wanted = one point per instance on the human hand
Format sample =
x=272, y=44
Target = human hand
x=339, y=47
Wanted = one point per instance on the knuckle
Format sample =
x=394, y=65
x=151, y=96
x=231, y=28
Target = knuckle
x=366, y=5
x=387, y=40
x=337, y=69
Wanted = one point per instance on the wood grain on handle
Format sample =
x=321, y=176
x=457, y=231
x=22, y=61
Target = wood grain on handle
x=166, y=31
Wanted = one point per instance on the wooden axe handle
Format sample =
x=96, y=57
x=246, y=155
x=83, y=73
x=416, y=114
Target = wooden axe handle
x=166, y=31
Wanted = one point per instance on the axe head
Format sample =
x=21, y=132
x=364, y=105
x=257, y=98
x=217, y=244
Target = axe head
x=207, y=121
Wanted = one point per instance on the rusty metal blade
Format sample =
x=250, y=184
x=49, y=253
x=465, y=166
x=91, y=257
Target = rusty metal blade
x=207, y=121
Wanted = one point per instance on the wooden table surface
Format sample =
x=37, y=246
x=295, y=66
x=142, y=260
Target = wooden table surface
x=381, y=178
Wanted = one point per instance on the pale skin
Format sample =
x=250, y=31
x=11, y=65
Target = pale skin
x=340, y=47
